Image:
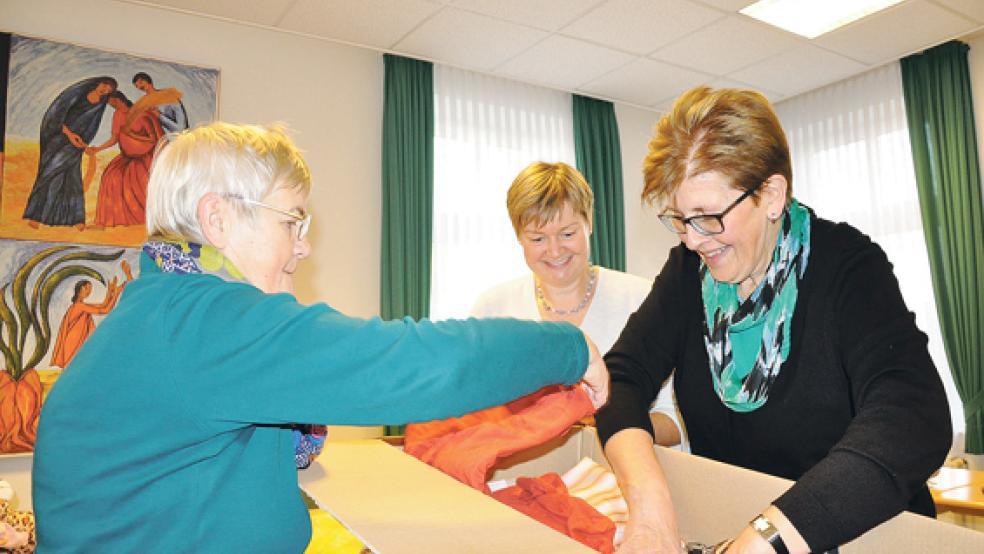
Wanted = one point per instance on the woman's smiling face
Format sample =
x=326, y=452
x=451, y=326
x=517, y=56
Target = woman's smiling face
x=742, y=251
x=558, y=251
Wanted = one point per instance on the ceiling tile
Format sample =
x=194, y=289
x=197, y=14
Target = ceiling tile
x=379, y=23
x=468, y=40
x=563, y=62
x=646, y=82
x=731, y=83
x=549, y=15
x=728, y=5
x=973, y=9
x=263, y=13
x=641, y=26
x=799, y=70
x=896, y=32
x=727, y=45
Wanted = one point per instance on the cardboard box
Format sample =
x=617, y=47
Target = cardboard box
x=397, y=504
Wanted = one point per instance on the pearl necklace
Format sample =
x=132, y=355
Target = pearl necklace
x=542, y=301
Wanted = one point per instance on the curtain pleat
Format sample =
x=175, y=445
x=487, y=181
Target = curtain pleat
x=599, y=159
x=939, y=107
x=407, y=195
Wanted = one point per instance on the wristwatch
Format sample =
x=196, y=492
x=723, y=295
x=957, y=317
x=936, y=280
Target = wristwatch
x=768, y=531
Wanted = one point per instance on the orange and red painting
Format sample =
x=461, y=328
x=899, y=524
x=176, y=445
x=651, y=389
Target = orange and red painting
x=81, y=127
x=77, y=139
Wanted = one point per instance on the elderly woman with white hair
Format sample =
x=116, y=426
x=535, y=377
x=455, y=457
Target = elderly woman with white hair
x=171, y=429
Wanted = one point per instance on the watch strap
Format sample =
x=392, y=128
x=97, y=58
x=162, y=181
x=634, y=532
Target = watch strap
x=768, y=531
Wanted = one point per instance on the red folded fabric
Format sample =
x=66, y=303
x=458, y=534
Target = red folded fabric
x=467, y=447
x=546, y=499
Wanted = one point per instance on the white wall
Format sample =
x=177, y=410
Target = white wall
x=647, y=242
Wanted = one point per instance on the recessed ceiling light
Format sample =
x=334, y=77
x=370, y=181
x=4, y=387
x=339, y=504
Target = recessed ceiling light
x=812, y=18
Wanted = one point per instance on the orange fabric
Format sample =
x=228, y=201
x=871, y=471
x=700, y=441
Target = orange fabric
x=467, y=447
x=546, y=500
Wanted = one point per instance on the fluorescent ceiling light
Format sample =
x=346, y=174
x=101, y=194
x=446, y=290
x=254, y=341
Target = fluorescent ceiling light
x=812, y=18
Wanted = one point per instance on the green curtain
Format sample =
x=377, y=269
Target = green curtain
x=940, y=113
x=408, y=190
x=599, y=158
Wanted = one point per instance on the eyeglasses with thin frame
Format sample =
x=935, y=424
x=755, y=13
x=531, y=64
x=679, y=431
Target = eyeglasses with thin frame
x=704, y=224
x=302, y=221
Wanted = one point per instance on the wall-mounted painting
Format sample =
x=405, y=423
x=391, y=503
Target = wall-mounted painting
x=81, y=127
x=52, y=296
x=78, y=134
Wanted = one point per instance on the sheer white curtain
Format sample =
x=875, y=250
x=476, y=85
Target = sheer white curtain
x=852, y=162
x=485, y=131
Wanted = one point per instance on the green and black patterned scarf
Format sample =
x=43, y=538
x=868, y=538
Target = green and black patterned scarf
x=748, y=340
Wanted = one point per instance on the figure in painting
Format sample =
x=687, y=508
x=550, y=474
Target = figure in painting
x=77, y=324
x=171, y=111
x=123, y=187
x=72, y=120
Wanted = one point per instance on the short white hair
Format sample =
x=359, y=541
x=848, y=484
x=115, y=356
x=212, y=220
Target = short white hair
x=242, y=161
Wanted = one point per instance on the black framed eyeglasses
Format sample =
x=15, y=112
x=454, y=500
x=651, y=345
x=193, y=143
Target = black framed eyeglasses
x=704, y=224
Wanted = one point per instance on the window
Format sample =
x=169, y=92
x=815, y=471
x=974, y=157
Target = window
x=486, y=130
x=852, y=162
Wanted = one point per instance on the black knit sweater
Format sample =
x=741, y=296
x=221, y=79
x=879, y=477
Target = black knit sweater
x=857, y=416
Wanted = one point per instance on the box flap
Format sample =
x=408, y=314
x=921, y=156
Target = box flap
x=397, y=504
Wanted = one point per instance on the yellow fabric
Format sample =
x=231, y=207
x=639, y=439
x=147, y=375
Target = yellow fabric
x=330, y=536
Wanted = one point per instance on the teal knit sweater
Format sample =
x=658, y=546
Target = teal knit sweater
x=165, y=434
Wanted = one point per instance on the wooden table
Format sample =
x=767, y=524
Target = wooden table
x=958, y=490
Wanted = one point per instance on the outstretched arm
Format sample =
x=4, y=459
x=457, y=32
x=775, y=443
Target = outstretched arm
x=73, y=138
x=113, y=139
x=104, y=307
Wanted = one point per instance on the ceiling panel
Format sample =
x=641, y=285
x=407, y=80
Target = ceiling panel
x=728, y=5
x=468, y=40
x=641, y=26
x=798, y=70
x=264, y=13
x=563, y=62
x=643, y=52
x=973, y=9
x=731, y=83
x=549, y=15
x=646, y=82
x=380, y=23
x=896, y=32
x=727, y=45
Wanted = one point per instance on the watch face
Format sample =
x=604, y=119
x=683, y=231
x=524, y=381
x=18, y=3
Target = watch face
x=761, y=524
